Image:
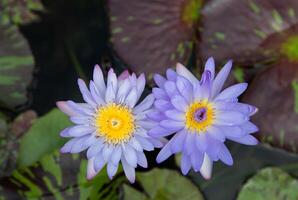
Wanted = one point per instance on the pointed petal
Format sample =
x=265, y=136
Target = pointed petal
x=221, y=78
x=232, y=92
x=128, y=170
x=210, y=66
x=183, y=71
x=206, y=169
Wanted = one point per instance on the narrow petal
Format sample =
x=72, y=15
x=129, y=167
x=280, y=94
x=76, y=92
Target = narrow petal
x=189, y=145
x=225, y=155
x=98, y=98
x=128, y=170
x=134, y=143
x=94, y=149
x=99, y=162
x=162, y=104
x=123, y=91
x=124, y=75
x=107, y=152
x=248, y=140
x=99, y=80
x=249, y=127
x=206, y=85
x=183, y=71
x=201, y=142
x=86, y=94
x=90, y=169
x=131, y=98
x=159, y=80
x=210, y=66
x=206, y=169
x=178, y=141
x=216, y=133
x=185, y=164
x=185, y=88
x=230, y=118
x=165, y=153
x=146, y=144
x=145, y=104
x=116, y=155
x=64, y=132
x=175, y=115
x=170, y=88
x=142, y=160
x=68, y=145
x=141, y=81
x=81, y=120
x=79, y=108
x=179, y=103
x=221, y=78
x=80, y=130
x=62, y=105
x=232, y=131
x=158, y=131
x=79, y=145
x=110, y=95
x=158, y=143
x=156, y=115
x=232, y=92
x=112, y=170
x=112, y=80
x=171, y=124
x=160, y=94
x=171, y=75
x=196, y=160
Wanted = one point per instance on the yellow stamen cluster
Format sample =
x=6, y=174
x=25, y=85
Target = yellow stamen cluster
x=115, y=123
x=199, y=126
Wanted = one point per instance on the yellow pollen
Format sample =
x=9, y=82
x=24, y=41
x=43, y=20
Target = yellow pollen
x=115, y=123
x=199, y=121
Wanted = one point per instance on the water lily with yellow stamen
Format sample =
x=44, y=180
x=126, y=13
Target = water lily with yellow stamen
x=200, y=116
x=110, y=125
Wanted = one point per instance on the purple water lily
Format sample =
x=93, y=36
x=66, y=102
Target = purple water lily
x=110, y=124
x=200, y=116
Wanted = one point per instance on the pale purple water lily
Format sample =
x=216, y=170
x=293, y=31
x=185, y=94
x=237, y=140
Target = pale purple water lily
x=110, y=124
x=200, y=116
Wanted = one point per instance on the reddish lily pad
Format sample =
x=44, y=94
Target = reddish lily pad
x=241, y=30
x=151, y=36
x=275, y=92
x=16, y=67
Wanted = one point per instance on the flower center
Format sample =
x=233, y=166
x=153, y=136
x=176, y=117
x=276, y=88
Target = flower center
x=115, y=123
x=199, y=116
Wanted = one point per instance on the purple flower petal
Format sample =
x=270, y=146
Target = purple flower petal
x=158, y=143
x=134, y=143
x=86, y=94
x=160, y=94
x=225, y=156
x=170, y=88
x=210, y=66
x=64, y=107
x=112, y=80
x=201, y=141
x=145, y=104
x=206, y=85
x=116, y=155
x=185, y=164
x=107, y=152
x=171, y=75
x=179, y=103
x=162, y=104
x=146, y=144
x=142, y=160
x=131, y=98
x=185, y=88
x=79, y=108
x=175, y=115
x=178, y=141
x=232, y=131
x=230, y=118
x=158, y=131
x=141, y=81
x=183, y=71
x=82, y=120
x=90, y=169
x=123, y=91
x=248, y=140
x=128, y=170
x=159, y=80
x=221, y=78
x=196, y=160
x=94, y=149
x=64, y=132
x=165, y=153
x=68, y=145
x=97, y=97
x=249, y=127
x=80, y=130
x=99, y=162
x=111, y=169
x=172, y=124
x=99, y=80
x=156, y=115
x=216, y=133
x=110, y=94
x=206, y=169
x=189, y=145
x=231, y=92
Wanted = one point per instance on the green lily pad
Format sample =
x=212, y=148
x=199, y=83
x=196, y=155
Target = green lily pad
x=163, y=184
x=151, y=36
x=270, y=183
x=16, y=67
x=42, y=138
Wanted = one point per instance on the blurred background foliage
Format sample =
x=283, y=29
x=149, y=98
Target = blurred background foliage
x=46, y=45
